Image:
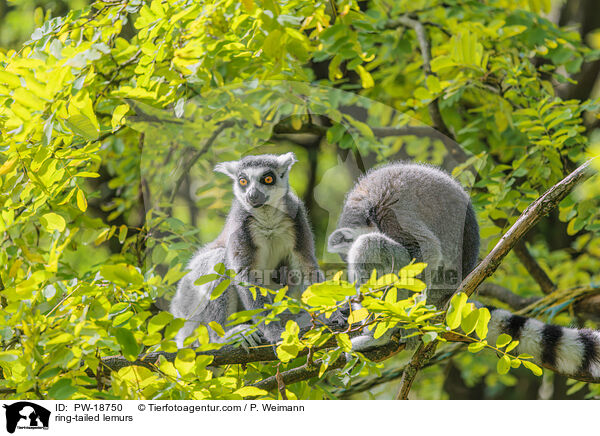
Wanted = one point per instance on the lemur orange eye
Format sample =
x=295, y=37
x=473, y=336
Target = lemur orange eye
x=268, y=180
x=243, y=182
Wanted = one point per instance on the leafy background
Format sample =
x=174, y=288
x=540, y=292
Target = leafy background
x=94, y=234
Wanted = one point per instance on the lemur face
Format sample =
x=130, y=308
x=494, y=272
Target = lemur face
x=258, y=186
x=357, y=220
x=259, y=180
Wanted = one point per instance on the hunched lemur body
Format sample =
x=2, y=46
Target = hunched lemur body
x=405, y=211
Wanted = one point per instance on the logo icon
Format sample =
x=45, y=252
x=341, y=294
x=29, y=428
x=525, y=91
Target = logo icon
x=26, y=415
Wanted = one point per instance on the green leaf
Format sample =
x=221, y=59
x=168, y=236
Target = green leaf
x=219, y=289
x=476, y=347
x=469, y=322
x=82, y=119
x=503, y=340
x=358, y=315
x=512, y=346
x=62, y=389
x=343, y=341
x=81, y=200
x=82, y=125
x=122, y=318
x=206, y=279
x=536, y=370
x=250, y=391
x=382, y=327
x=129, y=346
x=290, y=345
x=429, y=337
x=217, y=328
x=157, y=322
x=53, y=221
x=185, y=361
x=525, y=356
x=9, y=79
x=272, y=46
x=118, y=115
x=482, y=323
x=173, y=328
x=8, y=356
x=422, y=94
x=366, y=79
x=453, y=315
x=122, y=274
x=503, y=365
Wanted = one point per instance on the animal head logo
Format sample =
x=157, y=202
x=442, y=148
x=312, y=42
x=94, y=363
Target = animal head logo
x=25, y=414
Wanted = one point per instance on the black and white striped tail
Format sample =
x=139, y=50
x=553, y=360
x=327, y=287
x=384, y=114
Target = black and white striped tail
x=569, y=351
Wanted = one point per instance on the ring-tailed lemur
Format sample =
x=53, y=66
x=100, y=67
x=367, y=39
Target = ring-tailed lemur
x=403, y=211
x=266, y=232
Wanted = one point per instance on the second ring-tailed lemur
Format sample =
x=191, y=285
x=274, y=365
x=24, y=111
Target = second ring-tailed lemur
x=403, y=211
x=266, y=232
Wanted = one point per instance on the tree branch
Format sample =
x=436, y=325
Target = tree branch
x=421, y=357
x=534, y=212
x=534, y=268
x=530, y=216
x=393, y=374
x=506, y=296
x=307, y=372
x=226, y=355
x=299, y=374
x=381, y=132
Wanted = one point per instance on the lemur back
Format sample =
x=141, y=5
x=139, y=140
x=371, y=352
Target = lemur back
x=404, y=211
x=422, y=209
x=266, y=240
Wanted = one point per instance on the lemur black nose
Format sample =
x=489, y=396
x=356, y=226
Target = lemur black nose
x=256, y=198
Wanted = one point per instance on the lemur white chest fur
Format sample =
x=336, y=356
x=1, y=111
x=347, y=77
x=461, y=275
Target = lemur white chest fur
x=273, y=234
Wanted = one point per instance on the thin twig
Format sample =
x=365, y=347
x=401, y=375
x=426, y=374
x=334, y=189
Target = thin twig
x=381, y=132
x=299, y=374
x=191, y=160
x=391, y=374
x=514, y=301
x=434, y=108
x=305, y=372
x=534, y=268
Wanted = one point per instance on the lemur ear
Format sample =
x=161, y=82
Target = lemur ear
x=341, y=240
x=285, y=162
x=228, y=168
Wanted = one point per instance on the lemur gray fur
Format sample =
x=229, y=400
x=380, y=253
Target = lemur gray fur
x=403, y=211
x=266, y=232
